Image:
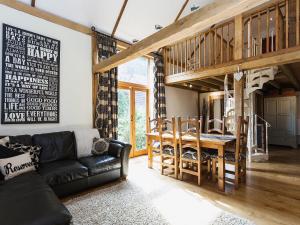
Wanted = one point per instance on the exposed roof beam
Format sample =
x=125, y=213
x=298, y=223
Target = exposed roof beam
x=222, y=80
x=119, y=18
x=214, y=82
x=196, y=22
x=290, y=75
x=181, y=10
x=32, y=3
x=281, y=57
x=199, y=83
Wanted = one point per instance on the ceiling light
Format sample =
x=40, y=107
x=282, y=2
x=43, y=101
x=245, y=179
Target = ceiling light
x=158, y=27
x=190, y=85
x=135, y=40
x=194, y=7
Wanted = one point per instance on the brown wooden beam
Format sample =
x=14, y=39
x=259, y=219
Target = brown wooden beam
x=196, y=22
x=284, y=56
x=206, y=84
x=181, y=10
x=214, y=82
x=119, y=18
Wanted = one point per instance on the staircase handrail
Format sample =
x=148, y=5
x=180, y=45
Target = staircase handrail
x=266, y=122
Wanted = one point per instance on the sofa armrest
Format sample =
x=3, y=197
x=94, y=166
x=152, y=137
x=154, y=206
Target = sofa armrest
x=120, y=150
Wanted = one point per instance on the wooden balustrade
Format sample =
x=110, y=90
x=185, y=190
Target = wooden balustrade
x=212, y=47
x=270, y=29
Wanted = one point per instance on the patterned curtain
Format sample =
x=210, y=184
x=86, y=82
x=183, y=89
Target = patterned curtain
x=159, y=88
x=106, y=120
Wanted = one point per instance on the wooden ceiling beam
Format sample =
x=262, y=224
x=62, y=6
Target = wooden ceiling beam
x=284, y=56
x=196, y=22
x=201, y=83
x=286, y=70
x=119, y=18
x=214, y=82
x=181, y=10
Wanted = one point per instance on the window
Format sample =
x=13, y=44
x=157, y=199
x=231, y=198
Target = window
x=135, y=71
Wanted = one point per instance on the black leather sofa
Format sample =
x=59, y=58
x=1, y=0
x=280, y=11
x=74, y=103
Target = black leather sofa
x=32, y=198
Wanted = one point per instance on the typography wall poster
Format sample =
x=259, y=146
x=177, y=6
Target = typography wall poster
x=30, y=77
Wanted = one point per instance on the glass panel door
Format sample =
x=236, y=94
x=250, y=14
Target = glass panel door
x=132, y=118
x=124, y=124
x=140, y=121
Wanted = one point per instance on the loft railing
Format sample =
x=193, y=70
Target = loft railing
x=270, y=29
x=212, y=47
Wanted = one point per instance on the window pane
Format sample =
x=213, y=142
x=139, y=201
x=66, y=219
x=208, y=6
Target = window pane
x=135, y=71
x=124, y=115
x=140, y=120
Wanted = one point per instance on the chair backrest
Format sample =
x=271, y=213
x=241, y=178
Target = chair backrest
x=167, y=132
x=220, y=129
x=153, y=125
x=241, y=136
x=193, y=130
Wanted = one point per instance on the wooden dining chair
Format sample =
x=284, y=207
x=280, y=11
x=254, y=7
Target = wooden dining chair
x=153, y=126
x=168, y=146
x=238, y=158
x=219, y=129
x=190, y=148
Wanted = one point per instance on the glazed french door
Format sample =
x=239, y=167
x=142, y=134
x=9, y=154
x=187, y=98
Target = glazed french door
x=133, y=108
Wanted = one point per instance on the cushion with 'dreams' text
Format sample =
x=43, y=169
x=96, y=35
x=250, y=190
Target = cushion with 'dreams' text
x=14, y=166
x=34, y=151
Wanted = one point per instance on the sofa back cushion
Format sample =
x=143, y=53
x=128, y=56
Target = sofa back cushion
x=21, y=139
x=56, y=146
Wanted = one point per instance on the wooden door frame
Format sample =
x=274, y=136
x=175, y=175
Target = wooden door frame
x=132, y=87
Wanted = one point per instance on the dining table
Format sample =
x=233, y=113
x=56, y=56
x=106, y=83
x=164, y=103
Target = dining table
x=209, y=141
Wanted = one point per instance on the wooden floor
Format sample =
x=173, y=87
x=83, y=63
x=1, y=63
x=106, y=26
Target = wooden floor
x=270, y=196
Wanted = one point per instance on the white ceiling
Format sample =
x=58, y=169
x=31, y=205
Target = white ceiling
x=137, y=22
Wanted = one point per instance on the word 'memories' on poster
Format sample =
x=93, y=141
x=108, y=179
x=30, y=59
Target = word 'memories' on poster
x=30, y=77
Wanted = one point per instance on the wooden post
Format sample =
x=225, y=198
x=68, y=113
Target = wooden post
x=297, y=22
x=238, y=54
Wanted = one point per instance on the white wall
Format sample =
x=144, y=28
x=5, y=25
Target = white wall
x=181, y=102
x=75, y=69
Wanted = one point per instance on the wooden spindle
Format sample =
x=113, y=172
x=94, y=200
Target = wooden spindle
x=169, y=60
x=195, y=52
x=215, y=46
x=228, y=43
x=165, y=61
x=286, y=24
x=204, y=50
x=277, y=26
x=181, y=57
x=259, y=33
x=173, y=59
x=250, y=35
x=222, y=45
x=268, y=30
x=297, y=22
x=177, y=58
x=199, y=50
x=185, y=55
x=209, y=48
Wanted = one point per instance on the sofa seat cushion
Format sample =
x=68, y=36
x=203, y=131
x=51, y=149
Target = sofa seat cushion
x=28, y=200
x=62, y=172
x=101, y=164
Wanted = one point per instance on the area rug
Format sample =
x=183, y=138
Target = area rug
x=126, y=204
